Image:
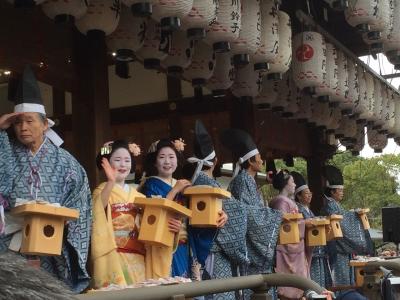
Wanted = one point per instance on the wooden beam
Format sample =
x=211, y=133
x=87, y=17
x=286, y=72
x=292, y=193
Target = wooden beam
x=90, y=105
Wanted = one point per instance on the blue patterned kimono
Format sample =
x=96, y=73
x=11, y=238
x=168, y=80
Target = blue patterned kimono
x=199, y=239
x=320, y=269
x=263, y=225
x=54, y=175
x=355, y=240
x=228, y=244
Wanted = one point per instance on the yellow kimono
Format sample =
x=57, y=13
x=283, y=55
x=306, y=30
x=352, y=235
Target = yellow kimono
x=117, y=256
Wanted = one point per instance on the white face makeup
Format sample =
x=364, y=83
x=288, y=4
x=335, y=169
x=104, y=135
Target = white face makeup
x=121, y=161
x=290, y=186
x=166, y=162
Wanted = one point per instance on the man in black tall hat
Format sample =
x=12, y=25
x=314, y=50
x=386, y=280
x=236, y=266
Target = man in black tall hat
x=355, y=239
x=262, y=222
x=33, y=166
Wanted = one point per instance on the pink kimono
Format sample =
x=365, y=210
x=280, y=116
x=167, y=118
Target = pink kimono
x=291, y=258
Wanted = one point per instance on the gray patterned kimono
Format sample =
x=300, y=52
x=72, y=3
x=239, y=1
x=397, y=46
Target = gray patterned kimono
x=54, y=175
x=229, y=247
x=320, y=269
x=355, y=240
x=262, y=226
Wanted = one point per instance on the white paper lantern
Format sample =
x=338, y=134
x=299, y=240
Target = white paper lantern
x=391, y=45
x=128, y=37
x=362, y=14
x=269, y=93
x=284, y=94
x=202, y=67
x=64, y=10
x=343, y=78
x=322, y=113
x=249, y=39
x=169, y=13
x=396, y=129
x=389, y=116
x=378, y=98
x=180, y=53
x=223, y=76
x=353, y=90
x=309, y=61
x=225, y=29
x=376, y=140
x=380, y=30
x=203, y=13
x=268, y=49
x=140, y=8
x=361, y=105
x=247, y=83
x=304, y=114
x=347, y=128
x=384, y=110
x=327, y=90
x=282, y=61
x=155, y=47
x=335, y=117
x=369, y=79
x=102, y=15
x=293, y=100
x=359, y=143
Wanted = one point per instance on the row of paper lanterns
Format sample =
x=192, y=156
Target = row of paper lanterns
x=379, y=23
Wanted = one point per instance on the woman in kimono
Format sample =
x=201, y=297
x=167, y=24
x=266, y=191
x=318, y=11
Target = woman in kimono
x=116, y=254
x=262, y=223
x=355, y=239
x=320, y=269
x=160, y=165
x=290, y=258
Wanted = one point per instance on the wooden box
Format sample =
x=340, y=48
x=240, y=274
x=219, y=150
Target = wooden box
x=205, y=203
x=42, y=232
x=315, y=232
x=359, y=267
x=333, y=229
x=364, y=218
x=154, y=227
x=289, y=232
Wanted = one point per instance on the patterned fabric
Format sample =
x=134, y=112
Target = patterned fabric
x=320, y=269
x=54, y=175
x=355, y=240
x=262, y=227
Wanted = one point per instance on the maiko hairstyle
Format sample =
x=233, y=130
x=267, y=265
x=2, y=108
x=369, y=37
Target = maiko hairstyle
x=280, y=179
x=109, y=148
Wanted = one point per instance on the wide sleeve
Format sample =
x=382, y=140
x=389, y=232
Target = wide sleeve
x=7, y=164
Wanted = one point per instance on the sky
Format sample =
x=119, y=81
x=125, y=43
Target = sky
x=381, y=66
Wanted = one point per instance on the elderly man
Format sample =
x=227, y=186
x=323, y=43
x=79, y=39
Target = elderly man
x=32, y=166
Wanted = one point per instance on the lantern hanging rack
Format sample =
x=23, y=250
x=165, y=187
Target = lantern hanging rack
x=307, y=20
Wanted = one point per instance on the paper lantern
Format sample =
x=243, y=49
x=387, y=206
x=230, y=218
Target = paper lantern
x=293, y=99
x=268, y=49
x=128, y=37
x=388, y=112
x=361, y=105
x=223, y=76
x=65, y=10
x=202, y=67
x=180, y=53
x=396, y=129
x=155, y=47
x=327, y=90
x=225, y=29
x=203, y=13
x=376, y=140
x=343, y=78
x=247, y=83
x=140, y=8
x=283, y=59
x=379, y=95
x=380, y=30
x=359, y=143
x=369, y=79
x=305, y=112
x=309, y=60
x=249, y=39
x=335, y=117
x=353, y=90
x=347, y=128
x=102, y=15
x=269, y=93
x=361, y=14
x=169, y=13
x=321, y=114
x=391, y=45
x=282, y=101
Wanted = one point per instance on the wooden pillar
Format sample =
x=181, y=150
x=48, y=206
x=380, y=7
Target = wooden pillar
x=90, y=104
x=59, y=110
x=174, y=89
x=242, y=114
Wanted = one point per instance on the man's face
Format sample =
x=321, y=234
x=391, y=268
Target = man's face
x=257, y=164
x=337, y=194
x=29, y=128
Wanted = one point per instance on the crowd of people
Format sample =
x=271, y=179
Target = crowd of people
x=244, y=242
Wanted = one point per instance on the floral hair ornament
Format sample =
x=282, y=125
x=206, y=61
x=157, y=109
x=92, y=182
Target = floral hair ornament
x=134, y=149
x=107, y=148
x=179, y=144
